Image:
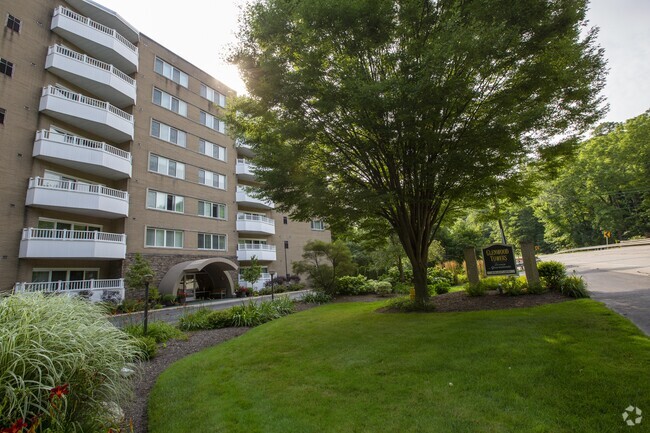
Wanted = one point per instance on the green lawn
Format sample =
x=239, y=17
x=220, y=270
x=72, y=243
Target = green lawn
x=570, y=367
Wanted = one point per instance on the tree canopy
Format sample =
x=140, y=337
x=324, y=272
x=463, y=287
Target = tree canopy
x=397, y=109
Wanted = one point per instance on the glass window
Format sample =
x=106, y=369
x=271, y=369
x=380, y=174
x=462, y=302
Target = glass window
x=212, y=210
x=164, y=238
x=212, y=150
x=2, y=116
x=163, y=201
x=169, y=102
x=166, y=166
x=209, y=178
x=13, y=23
x=317, y=225
x=171, y=72
x=208, y=241
x=168, y=133
x=6, y=67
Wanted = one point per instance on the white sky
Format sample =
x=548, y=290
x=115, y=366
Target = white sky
x=200, y=31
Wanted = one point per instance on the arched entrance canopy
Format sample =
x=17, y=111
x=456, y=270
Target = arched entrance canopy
x=174, y=275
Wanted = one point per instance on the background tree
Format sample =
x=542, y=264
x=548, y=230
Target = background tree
x=135, y=276
x=606, y=187
x=397, y=109
x=252, y=272
x=324, y=263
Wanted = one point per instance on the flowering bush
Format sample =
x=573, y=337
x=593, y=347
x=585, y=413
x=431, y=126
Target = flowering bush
x=61, y=365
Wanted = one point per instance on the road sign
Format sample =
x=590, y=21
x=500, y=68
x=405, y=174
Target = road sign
x=607, y=234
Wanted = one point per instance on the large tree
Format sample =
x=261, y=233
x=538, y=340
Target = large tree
x=397, y=109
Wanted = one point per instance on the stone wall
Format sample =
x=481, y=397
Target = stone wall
x=160, y=263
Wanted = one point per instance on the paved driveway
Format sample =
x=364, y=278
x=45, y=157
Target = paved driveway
x=619, y=277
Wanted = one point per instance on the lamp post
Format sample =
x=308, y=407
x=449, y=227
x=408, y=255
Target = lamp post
x=272, y=285
x=147, y=279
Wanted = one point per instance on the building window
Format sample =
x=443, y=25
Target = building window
x=49, y=224
x=6, y=67
x=318, y=225
x=212, y=150
x=2, y=116
x=164, y=238
x=212, y=210
x=212, y=95
x=168, y=133
x=285, y=220
x=169, y=102
x=51, y=275
x=209, y=178
x=168, y=71
x=208, y=241
x=166, y=166
x=212, y=122
x=13, y=23
x=164, y=201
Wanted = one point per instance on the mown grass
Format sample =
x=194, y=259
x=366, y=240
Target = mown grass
x=569, y=367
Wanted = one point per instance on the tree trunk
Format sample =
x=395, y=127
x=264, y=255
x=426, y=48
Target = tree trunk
x=420, y=282
x=400, y=267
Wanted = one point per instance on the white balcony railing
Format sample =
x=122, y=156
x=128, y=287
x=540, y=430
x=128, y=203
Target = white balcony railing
x=82, y=99
x=99, y=78
x=80, y=153
x=244, y=196
x=251, y=223
x=71, y=244
x=77, y=197
x=259, y=284
x=100, y=290
x=262, y=252
x=88, y=113
x=66, y=185
x=98, y=40
x=67, y=52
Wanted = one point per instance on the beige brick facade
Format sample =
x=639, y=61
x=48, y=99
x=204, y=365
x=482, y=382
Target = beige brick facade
x=78, y=196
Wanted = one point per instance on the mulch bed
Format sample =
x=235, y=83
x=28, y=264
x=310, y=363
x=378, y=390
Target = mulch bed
x=176, y=349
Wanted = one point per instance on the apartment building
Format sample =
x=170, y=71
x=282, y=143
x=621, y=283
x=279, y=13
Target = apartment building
x=115, y=146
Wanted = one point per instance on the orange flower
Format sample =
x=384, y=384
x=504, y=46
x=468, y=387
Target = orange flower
x=17, y=427
x=59, y=391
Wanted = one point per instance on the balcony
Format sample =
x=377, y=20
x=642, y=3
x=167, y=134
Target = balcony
x=245, y=170
x=259, y=284
x=98, y=40
x=77, y=197
x=71, y=244
x=82, y=154
x=244, y=148
x=108, y=17
x=244, y=197
x=99, y=78
x=255, y=224
x=94, y=290
x=263, y=252
x=93, y=115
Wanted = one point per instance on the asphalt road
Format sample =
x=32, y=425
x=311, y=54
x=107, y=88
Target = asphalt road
x=619, y=277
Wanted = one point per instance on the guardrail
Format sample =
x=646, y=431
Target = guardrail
x=622, y=244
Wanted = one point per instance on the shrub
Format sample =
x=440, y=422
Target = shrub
x=437, y=273
x=295, y=286
x=575, y=287
x=349, y=285
x=393, y=276
x=61, y=345
x=382, y=288
x=316, y=297
x=130, y=306
x=536, y=288
x=513, y=286
x=161, y=332
x=439, y=286
x=477, y=289
x=168, y=300
x=406, y=305
x=195, y=321
x=401, y=288
x=493, y=283
x=147, y=347
x=551, y=273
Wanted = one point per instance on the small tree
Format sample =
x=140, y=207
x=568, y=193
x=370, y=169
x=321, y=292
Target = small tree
x=252, y=273
x=324, y=262
x=135, y=275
